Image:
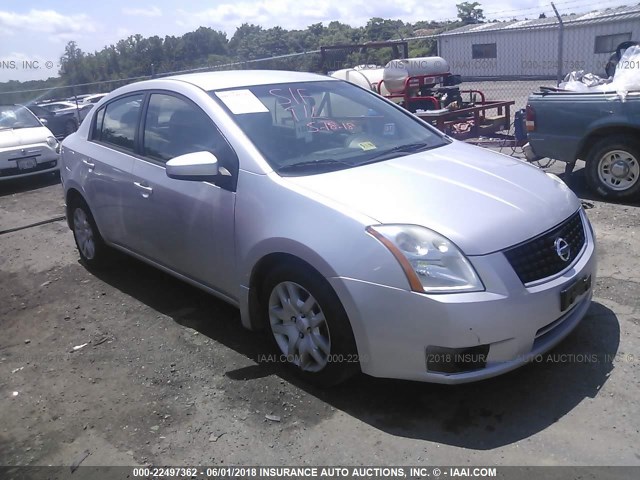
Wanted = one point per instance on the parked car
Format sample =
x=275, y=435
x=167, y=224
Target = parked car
x=94, y=98
x=61, y=123
x=26, y=146
x=55, y=106
x=80, y=110
x=357, y=235
x=78, y=98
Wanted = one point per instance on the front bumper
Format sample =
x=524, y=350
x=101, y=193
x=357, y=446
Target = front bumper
x=394, y=327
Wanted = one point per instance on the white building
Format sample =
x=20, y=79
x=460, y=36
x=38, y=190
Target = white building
x=530, y=47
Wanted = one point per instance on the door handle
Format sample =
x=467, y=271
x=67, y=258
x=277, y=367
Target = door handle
x=146, y=189
x=88, y=163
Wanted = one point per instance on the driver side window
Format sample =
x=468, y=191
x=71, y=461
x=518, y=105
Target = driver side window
x=174, y=127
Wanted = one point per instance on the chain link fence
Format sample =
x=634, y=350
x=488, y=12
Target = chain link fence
x=505, y=60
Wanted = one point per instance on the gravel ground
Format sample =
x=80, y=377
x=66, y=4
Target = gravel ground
x=136, y=367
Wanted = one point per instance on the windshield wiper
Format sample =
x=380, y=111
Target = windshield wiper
x=398, y=151
x=323, y=164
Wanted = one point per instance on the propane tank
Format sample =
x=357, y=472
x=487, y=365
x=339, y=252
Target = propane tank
x=364, y=77
x=396, y=71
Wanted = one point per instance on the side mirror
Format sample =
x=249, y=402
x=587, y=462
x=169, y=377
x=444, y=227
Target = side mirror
x=44, y=121
x=199, y=166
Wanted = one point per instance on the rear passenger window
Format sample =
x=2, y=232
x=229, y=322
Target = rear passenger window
x=117, y=122
x=174, y=127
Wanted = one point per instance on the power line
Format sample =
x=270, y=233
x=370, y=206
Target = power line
x=290, y=55
x=166, y=74
x=540, y=9
x=581, y=3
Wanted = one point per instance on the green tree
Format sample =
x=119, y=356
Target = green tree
x=138, y=56
x=469, y=13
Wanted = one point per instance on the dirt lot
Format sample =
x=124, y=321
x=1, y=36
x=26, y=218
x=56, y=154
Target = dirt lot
x=168, y=376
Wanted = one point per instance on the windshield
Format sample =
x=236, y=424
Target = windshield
x=314, y=127
x=15, y=116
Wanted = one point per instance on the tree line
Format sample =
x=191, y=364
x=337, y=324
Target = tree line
x=138, y=56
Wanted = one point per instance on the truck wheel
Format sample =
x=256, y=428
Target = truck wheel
x=613, y=167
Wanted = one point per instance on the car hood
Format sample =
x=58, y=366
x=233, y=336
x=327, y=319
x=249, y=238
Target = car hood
x=480, y=200
x=23, y=136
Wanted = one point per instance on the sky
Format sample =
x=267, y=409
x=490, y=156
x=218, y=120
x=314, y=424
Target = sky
x=33, y=33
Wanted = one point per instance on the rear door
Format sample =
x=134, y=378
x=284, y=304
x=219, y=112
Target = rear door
x=186, y=226
x=107, y=165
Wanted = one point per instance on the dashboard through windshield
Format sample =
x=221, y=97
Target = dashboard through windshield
x=313, y=127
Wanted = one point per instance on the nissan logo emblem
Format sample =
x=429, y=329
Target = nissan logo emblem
x=562, y=249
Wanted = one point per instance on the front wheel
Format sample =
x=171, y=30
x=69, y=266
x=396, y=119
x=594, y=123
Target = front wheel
x=613, y=167
x=309, y=326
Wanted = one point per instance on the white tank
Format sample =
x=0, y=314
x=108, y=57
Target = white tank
x=365, y=77
x=396, y=71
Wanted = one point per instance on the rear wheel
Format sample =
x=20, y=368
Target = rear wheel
x=309, y=326
x=91, y=247
x=613, y=167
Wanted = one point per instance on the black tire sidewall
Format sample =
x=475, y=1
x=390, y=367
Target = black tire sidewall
x=343, y=353
x=599, y=149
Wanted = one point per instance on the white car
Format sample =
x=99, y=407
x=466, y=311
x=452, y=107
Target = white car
x=357, y=235
x=26, y=146
x=94, y=98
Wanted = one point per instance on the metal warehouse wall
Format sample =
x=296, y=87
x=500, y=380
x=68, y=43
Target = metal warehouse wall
x=532, y=52
x=580, y=41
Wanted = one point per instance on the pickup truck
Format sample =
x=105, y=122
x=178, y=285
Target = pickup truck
x=597, y=127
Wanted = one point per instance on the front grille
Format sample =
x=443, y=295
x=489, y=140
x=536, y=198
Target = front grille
x=537, y=258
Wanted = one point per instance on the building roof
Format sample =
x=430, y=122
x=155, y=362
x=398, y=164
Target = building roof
x=595, y=17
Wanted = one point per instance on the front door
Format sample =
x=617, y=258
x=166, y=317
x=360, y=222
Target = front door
x=187, y=226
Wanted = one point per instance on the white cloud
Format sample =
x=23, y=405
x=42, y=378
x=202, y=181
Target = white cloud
x=50, y=22
x=143, y=12
x=123, y=33
x=291, y=14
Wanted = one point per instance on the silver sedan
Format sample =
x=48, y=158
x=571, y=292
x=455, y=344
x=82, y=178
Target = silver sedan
x=358, y=236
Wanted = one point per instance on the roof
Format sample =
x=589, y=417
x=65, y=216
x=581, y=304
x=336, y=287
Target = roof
x=595, y=17
x=245, y=78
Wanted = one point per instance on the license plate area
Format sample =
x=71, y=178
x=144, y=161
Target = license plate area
x=569, y=295
x=27, y=164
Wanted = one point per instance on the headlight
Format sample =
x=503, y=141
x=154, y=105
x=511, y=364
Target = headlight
x=432, y=263
x=52, y=142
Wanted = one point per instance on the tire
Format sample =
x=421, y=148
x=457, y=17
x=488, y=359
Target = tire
x=319, y=345
x=93, y=251
x=613, y=167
